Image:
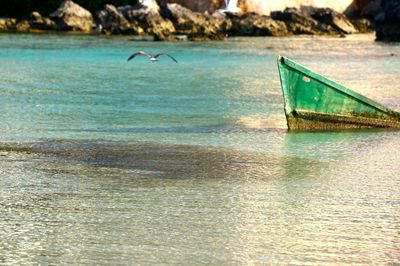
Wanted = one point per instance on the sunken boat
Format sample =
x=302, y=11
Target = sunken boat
x=315, y=103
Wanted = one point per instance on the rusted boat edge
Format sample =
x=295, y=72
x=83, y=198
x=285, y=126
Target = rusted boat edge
x=334, y=122
x=306, y=120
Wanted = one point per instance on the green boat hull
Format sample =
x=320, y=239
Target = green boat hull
x=313, y=102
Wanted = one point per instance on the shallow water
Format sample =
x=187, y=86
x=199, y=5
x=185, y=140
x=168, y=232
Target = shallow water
x=108, y=162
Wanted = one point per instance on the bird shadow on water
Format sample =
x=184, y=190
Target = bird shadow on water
x=214, y=128
x=166, y=161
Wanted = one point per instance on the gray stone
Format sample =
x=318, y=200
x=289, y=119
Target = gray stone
x=195, y=25
x=387, y=23
x=160, y=28
x=299, y=22
x=72, y=17
x=150, y=20
x=38, y=22
x=364, y=9
x=336, y=20
x=362, y=25
x=311, y=20
x=8, y=24
x=23, y=26
x=112, y=21
x=252, y=24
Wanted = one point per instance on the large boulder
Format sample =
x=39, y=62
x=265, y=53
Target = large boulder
x=364, y=9
x=387, y=23
x=160, y=28
x=223, y=22
x=195, y=25
x=195, y=5
x=112, y=21
x=150, y=20
x=384, y=14
x=141, y=19
x=252, y=24
x=327, y=16
x=38, y=22
x=299, y=22
x=391, y=8
x=72, y=17
x=34, y=22
x=311, y=20
x=388, y=32
x=362, y=25
x=23, y=26
x=8, y=24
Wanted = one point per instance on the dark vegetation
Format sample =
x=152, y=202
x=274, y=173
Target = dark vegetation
x=22, y=8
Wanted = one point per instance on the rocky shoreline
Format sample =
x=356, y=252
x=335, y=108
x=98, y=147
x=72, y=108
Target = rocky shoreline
x=175, y=22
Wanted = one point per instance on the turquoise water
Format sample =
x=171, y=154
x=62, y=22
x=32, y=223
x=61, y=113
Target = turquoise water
x=108, y=162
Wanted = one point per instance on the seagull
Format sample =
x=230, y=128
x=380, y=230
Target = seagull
x=152, y=58
x=231, y=7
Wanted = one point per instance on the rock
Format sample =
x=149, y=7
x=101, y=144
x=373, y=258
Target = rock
x=140, y=19
x=329, y=17
x=364, y=9
x=160, y=28
x=112, y=21
x=3, y=25
x=391, y=8
x=385, y=15
x=8, y=24
x=371, y=9
x=23, y=26
x=311, y=20
x=299, y=22
x=195, y=5
x=196, y=25
x=388, y=32
x=37, y=22
x=387, y=23
x=135, y=12
x=362, y=25
x=150, y=20
x=72, y=17
x=252, y=24
x=220, y=21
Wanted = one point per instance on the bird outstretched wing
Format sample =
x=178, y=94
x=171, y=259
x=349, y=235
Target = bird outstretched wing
x=139, y=53
x=160, y=54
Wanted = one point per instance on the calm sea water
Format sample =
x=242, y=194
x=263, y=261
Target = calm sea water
x=108, y=162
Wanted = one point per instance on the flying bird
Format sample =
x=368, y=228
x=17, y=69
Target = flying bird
x=152, y=58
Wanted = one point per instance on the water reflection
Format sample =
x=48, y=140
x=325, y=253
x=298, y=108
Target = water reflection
x=174, y=161
x=134, y=200
x=81, y=201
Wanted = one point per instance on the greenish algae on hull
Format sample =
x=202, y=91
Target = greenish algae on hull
x=313, y=102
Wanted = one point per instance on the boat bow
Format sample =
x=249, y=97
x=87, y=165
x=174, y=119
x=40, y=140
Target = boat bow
x=313, y=102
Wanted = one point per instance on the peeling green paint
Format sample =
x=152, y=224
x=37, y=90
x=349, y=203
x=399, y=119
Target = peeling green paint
x=313, y=102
